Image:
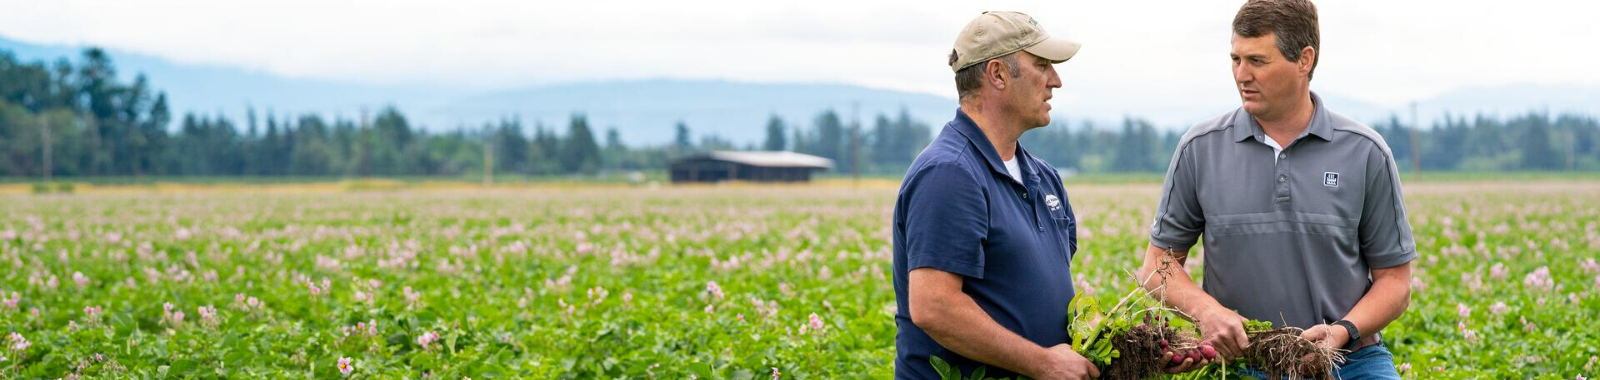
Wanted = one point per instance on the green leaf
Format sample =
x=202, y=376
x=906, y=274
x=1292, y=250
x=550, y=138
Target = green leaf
x=943, y=368
x=977, y=374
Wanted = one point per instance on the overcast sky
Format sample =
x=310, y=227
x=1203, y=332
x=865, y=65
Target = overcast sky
x=1385, y=52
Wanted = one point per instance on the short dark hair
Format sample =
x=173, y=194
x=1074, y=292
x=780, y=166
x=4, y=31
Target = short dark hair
x=969, y=79
x=1293, y=21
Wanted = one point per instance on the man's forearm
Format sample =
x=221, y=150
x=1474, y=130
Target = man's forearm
x=1388, y=298
x=962, y=326
x=1166, y=278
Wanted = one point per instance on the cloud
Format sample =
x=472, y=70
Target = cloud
x=1137, y=55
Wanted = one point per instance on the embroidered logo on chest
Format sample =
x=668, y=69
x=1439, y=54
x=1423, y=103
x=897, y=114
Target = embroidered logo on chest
x=1052, y=201
x=1330, y=179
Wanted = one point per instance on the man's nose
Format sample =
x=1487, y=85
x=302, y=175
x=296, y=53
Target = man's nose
x=1242, y=73
x=1055, y=79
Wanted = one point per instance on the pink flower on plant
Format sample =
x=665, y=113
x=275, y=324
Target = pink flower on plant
x=17, y=342
x=716, y=291
x=815, y=323
x=1499, y=271
x=92, y=313
x=427, y=339
x=1499, y=308
x=1539, y=279
x=345, y=367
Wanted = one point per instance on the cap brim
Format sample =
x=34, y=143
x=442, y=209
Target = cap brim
x=1055, y=49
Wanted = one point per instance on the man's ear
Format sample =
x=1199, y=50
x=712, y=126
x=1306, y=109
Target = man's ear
x=1308, y=60
x=996, y=73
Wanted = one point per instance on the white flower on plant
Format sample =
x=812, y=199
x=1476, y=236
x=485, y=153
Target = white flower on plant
x=598, y=294
x=80, y=279
x=1463, y=311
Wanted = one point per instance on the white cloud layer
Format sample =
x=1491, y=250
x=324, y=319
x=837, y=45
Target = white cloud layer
x=1137, y=54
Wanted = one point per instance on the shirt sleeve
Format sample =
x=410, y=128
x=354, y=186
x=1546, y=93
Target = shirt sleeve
x=1385, y=234
x=947, y=220
x=1179, y=219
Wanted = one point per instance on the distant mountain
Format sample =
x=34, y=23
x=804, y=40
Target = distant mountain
x=211, y=89
x=1511, y=100
x=645, y=111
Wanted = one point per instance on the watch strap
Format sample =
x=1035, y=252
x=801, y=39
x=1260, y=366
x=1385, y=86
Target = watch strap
x=1355, y=334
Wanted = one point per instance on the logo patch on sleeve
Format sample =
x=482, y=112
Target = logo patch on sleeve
x=1330, y=179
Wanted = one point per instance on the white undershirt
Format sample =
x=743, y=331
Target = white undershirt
x=1277, y=151
x=1014, y=169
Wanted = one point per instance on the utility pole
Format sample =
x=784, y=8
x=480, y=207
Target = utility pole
x=855, y=144
x=44, y=127
x=1572, y=149
x=1416, y=153
x=488, y=162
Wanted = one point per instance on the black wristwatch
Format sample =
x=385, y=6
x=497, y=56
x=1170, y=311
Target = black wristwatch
x=1355, y=334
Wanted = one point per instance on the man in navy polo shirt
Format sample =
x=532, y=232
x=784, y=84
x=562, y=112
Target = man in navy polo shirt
x=983, y=232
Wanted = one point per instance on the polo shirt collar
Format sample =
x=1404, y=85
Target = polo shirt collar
x=1245, y=126
x=969, y=129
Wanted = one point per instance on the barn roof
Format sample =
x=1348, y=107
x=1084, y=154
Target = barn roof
x=765, y=159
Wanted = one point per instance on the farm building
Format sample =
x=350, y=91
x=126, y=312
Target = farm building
x=721, y=166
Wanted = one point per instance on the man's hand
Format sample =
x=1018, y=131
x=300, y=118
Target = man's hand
x=1328, y=335
x=1224, y=329
x=1064, y=363
x=1179, y=363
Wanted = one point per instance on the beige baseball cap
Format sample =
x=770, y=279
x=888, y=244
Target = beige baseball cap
x=995, y=34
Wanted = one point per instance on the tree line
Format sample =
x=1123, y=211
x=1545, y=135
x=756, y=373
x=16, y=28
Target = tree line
x=78, y=119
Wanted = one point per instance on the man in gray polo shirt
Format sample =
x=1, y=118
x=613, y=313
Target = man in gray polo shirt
x=1300, y=207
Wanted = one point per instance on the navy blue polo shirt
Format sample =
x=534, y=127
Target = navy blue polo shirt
x=1012, y=241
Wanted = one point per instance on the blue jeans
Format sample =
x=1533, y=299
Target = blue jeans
x=1368, y=363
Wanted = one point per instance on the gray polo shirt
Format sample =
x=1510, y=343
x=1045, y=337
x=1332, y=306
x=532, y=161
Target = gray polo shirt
x=1291, y=240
